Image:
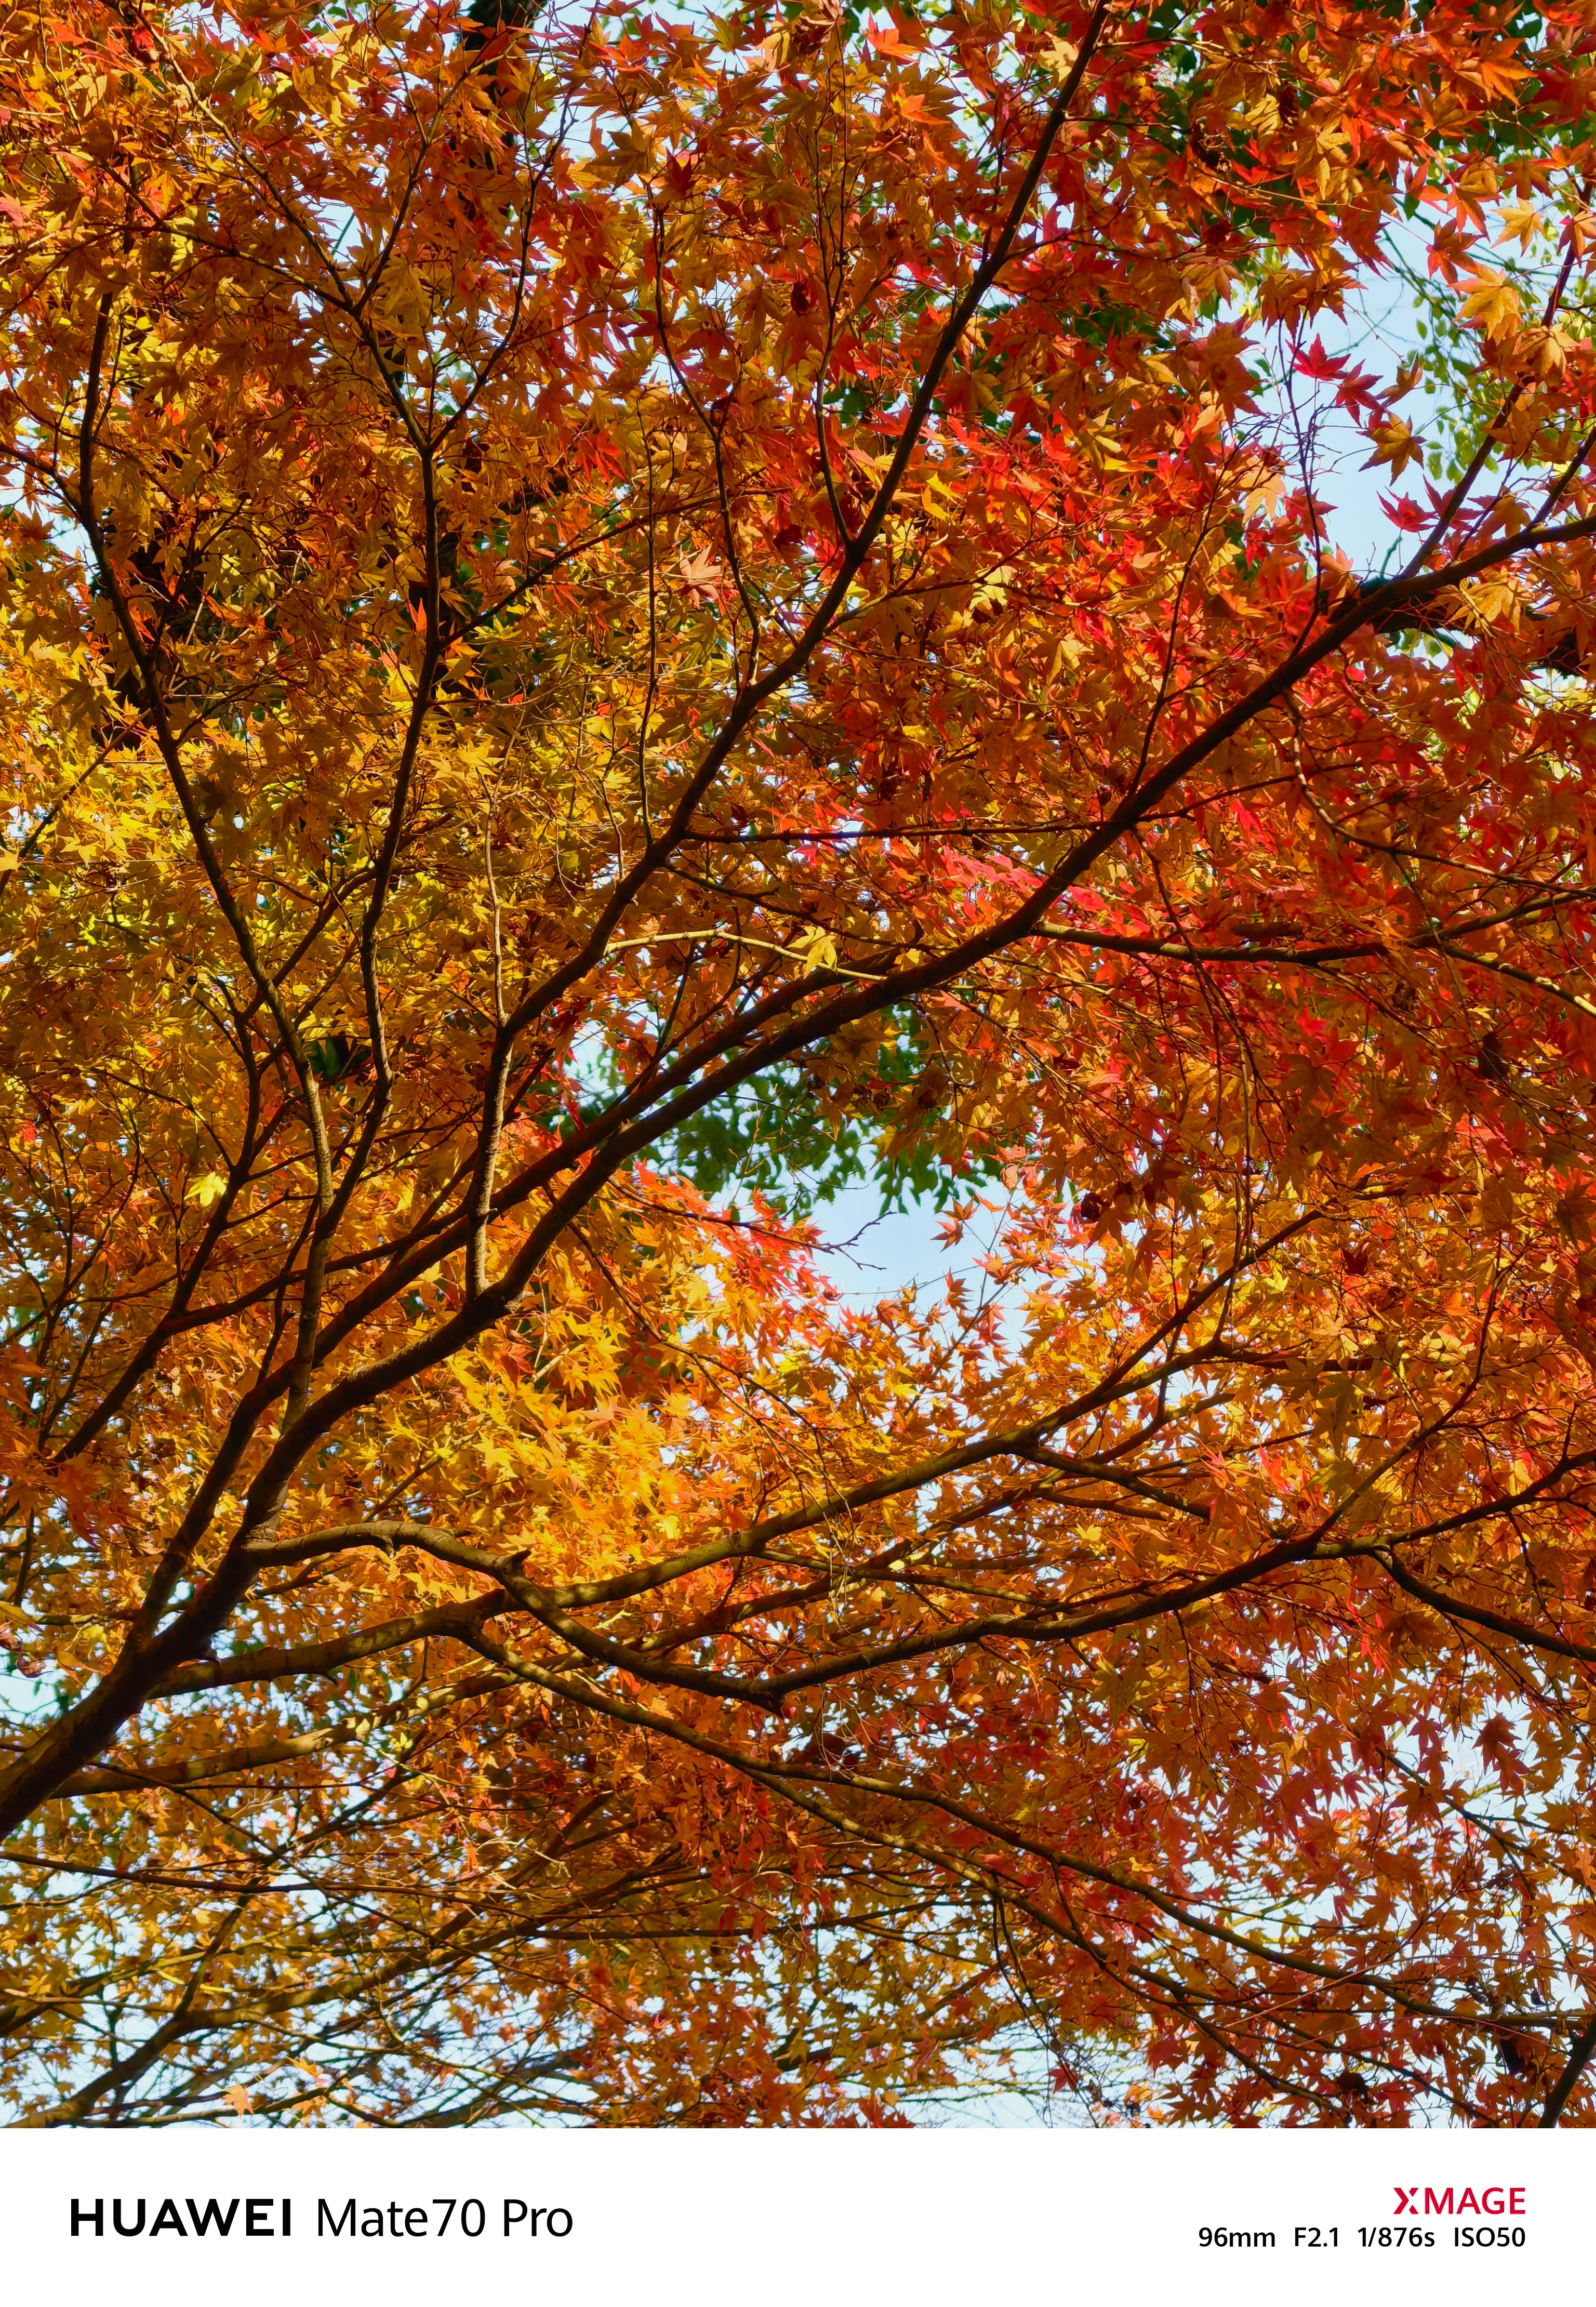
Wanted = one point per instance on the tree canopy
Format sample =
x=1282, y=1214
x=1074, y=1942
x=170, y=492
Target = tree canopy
x=609, y=621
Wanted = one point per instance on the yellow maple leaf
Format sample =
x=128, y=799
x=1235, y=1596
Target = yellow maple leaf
x=816, y=949
x=1397, y=444
x=1494, y=304
x=1520, y=221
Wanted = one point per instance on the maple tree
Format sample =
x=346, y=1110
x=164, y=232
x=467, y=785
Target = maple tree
x=609, y=623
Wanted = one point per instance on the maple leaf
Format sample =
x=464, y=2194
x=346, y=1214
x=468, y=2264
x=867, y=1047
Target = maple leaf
x=1358, y=391
x=1520, y=222
x=1319, y=365
x=702, y=573
x=1494, y=303
x=816, y=950
x=1397, y=444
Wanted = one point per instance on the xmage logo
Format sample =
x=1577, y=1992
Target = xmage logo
x=1459, y=2203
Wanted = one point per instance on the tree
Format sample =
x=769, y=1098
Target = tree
x=608, y=622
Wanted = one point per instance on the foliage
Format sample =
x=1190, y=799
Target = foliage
x=599, y=613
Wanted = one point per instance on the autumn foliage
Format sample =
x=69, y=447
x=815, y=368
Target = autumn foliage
x=608, y=622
